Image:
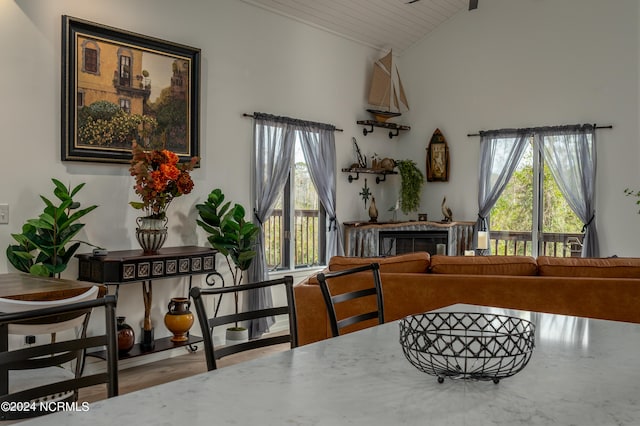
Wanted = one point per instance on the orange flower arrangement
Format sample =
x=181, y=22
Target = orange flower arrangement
x=159, y=179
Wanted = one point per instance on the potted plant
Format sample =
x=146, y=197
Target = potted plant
x=412, y=180
x=43, y=246
x=233, y=237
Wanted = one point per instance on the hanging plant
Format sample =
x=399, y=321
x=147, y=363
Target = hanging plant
x=411, y=183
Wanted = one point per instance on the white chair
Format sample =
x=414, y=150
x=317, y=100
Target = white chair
x=38, y=373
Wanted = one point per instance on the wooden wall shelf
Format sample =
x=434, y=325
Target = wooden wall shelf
x=379, y=172
x=391, y=126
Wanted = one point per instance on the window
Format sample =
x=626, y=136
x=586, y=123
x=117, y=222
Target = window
x=532, y=216
x=295, y=233
x=90, y=57
x=125, y=104
x=91, y=60
x=80, y=95
x=125, y=71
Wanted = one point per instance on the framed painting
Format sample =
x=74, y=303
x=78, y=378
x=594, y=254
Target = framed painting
x=120, y=87
x=437, y=158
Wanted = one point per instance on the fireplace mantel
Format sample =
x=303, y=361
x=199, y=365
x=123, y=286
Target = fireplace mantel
x=362, y=238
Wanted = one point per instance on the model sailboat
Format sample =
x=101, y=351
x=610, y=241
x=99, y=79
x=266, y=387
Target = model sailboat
x=386, y=93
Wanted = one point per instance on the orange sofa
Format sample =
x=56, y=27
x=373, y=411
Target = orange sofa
x=605, y=288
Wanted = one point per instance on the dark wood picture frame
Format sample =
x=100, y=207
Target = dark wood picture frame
x=119, y=87
x=437, y=158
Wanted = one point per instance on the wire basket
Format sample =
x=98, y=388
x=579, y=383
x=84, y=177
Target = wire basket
x=463, y=345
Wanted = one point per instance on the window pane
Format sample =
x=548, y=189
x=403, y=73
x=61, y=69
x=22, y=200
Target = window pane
x=561, y=228
x=511, y=217
x=274, y=230
x=295, y=231
x=307, y=215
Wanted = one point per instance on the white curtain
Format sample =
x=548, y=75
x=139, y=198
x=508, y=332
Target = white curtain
x=500, y=152
x=319, y=148
x=570, y=154
x=274, y=144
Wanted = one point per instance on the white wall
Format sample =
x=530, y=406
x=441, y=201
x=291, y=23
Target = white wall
x=531, y=63
x=252, y=60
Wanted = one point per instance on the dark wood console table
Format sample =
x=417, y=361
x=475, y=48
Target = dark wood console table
x=133, y=266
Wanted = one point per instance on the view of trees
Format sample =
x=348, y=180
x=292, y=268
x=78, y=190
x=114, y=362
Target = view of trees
x=306, y=221
x=512, y=215
x=514, y=209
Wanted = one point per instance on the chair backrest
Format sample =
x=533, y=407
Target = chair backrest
x=207, y=323
x=333, y=296
x=41, y=359
x=46, y=327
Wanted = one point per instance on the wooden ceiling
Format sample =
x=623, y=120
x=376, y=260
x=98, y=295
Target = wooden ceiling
x=383, y=24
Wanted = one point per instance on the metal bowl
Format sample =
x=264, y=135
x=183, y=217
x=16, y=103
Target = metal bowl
x=464, y=345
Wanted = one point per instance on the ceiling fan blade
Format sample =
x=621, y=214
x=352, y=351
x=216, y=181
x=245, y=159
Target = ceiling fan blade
x=473, y=4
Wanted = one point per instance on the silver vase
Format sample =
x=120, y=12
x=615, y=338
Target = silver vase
x=151, y=234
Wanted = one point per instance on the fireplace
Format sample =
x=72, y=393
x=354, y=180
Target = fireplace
x=398, y=242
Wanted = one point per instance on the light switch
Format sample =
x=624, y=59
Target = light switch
x=4, y=213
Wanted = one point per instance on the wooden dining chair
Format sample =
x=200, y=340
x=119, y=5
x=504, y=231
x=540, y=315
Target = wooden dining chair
x=332, y=285
x=208, y=323
x=40, y=375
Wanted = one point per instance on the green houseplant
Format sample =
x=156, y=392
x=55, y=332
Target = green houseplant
x=412, y=180
x=43, y=246
x=230, y=234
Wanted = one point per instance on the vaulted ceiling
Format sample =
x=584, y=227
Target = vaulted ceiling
x=383, y=24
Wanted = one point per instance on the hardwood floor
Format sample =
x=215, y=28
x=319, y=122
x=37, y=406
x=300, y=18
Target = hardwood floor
x=155, y=373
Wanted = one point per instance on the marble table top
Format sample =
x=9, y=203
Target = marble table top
x=582, y=372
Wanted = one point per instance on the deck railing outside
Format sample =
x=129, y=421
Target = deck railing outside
x=503, y=243
x=511, y=243
x=306, y=226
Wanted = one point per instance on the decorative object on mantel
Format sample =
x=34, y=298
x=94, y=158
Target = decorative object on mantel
x=159, y=179
x=447, y=214
x=394, y=211
x=179, y=318
x=373, y=210
x=231, y=235
x=126, y=336
x=43, y=246
x=463, y=345
x=437, y=158
x=422, y=217
x=386, y=93
x=411, y=183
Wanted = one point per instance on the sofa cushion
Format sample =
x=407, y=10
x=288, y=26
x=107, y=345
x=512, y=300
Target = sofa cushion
x=410, y=262
x=484, y=265
x=613, y=267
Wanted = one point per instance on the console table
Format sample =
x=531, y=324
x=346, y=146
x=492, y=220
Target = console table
x=363, y=238
x=133, y=266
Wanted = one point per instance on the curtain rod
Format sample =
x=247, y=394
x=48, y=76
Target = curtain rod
x=251, y=116
x=534, y=128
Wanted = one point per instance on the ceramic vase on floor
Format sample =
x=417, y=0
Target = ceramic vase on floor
x=179, y=319
x=151, y=234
